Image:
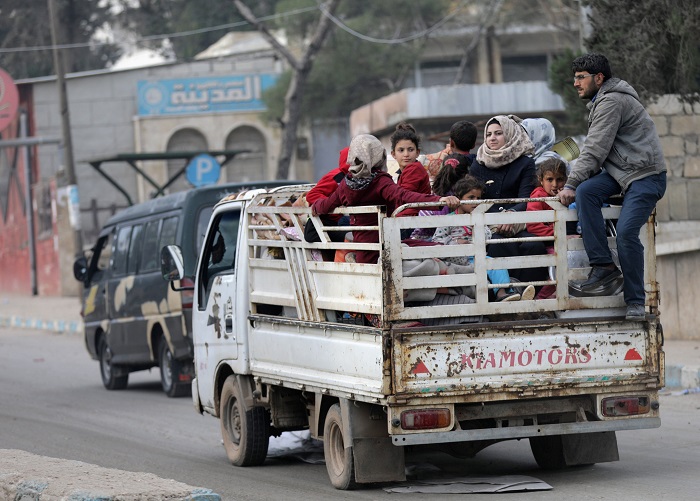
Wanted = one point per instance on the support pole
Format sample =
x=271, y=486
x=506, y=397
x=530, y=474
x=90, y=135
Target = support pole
x=68, y=180
x=29, y=205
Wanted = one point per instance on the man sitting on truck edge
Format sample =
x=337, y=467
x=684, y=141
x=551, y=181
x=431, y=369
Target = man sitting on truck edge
x=622, y=154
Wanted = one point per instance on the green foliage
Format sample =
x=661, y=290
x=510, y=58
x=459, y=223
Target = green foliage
x=273, y=97
x=653, y=44
x=25, y=23
x=561, y=82
x=297, y=26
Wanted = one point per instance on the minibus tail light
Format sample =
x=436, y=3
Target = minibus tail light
x=187, y=295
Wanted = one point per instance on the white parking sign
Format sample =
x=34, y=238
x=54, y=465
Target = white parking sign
x=202, y=170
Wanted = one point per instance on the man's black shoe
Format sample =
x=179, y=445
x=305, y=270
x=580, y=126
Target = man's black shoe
x=598, y=277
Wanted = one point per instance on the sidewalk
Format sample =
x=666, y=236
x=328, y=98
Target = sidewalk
x=62, y=314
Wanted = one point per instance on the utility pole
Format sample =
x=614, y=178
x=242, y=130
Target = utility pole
x=68, y=179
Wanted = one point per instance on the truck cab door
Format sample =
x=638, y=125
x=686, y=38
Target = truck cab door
x=214, y=318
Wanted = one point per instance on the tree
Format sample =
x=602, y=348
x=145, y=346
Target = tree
x=560, y=82
x=24, y=24
x=654, y=45
x=300, y=70
x=352, y=70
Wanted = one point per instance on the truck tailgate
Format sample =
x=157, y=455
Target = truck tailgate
x=501, y=357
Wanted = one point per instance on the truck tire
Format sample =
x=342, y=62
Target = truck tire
x=246, y=432
x=170, y=370
x=339, y=458
x=108, y=372
x=548, y=452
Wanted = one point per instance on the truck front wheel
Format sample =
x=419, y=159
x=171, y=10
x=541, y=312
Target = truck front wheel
x=338, y=456
x=246, y=432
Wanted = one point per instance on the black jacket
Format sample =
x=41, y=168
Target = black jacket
x=515, y=180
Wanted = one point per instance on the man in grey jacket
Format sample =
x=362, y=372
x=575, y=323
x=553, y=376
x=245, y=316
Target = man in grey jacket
x=622, y=154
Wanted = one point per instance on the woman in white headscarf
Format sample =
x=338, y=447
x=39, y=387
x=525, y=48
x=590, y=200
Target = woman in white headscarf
x=368, y=183
x=542, y=135
x=505, y=164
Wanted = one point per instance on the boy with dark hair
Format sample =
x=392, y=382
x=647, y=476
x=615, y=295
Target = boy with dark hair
x=462, y=140
x=462, y=137
x=622, y=154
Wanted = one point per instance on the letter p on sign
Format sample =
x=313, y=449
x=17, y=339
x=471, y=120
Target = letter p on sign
x=202, y=170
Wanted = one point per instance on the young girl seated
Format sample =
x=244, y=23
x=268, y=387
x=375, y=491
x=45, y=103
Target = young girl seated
x=471, y=188
x=405, y=148
x=454, y=167
x=551, y=177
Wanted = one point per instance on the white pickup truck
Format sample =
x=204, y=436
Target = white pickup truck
x=370, y=361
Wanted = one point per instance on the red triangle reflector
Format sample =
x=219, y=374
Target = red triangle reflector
x=633, y=354
x=420, y=368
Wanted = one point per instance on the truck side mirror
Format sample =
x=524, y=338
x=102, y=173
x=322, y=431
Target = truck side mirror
x=172, y=266
x=80, y=269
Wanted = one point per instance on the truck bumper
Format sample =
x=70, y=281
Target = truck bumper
x=539, y=430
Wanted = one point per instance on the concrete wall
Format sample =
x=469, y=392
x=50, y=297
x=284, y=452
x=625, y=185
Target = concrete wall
x=678, y=213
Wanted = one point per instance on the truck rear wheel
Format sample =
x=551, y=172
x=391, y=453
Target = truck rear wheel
x=170, y=370
x=339, y=458
x=110, y=379
x=246, y=432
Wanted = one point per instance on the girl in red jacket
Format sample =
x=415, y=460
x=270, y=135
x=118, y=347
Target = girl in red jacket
x=551, y=177
x=405, y=148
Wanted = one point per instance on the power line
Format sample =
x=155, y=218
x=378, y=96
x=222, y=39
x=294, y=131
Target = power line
x=389, y=41
x=158, y=37
x=237, y=24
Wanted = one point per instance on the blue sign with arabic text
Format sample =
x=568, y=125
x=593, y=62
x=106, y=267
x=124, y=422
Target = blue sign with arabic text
x=203, y=95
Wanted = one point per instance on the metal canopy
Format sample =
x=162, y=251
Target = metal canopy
x=132, y=158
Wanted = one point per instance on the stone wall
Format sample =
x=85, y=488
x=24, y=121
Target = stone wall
x=678, y=214
x=678, y=125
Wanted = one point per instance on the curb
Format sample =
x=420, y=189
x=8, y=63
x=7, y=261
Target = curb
x=67, y=326
x=32, y=489
x=25, y=476
x=682, y=376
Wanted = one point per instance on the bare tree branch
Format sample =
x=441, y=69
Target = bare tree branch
x=300, y=75
x=281, y=49
x=484, y=25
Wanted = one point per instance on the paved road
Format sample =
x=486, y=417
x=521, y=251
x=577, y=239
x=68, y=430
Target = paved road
x=52, y=403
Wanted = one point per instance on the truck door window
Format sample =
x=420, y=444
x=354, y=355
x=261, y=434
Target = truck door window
x=220, y=254
x=121, y=251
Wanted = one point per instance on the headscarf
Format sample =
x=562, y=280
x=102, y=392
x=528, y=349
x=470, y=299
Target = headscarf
x=518, y=143
x=542, y=135
x=370, y=153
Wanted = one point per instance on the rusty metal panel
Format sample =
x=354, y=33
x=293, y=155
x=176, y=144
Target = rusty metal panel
x=550, y=357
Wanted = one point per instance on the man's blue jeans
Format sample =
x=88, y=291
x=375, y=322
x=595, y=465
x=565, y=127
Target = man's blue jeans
x=638, y=204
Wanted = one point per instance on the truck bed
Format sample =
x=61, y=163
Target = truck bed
x=397, y=350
